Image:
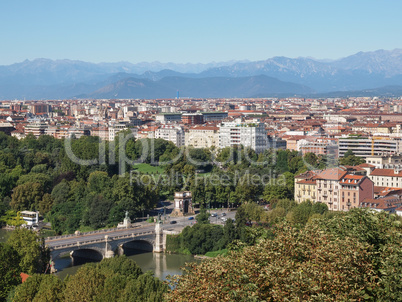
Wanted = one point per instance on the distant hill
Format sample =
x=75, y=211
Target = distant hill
x=49, y=79
x=198, y=87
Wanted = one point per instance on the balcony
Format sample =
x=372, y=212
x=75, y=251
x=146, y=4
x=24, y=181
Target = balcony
x=319, y=189
x=330, y=202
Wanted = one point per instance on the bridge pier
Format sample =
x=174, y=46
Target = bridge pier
x=158, y=248
x=109, y=253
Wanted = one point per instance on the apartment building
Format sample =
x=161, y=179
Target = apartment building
x=384, y=161
x=202, y=137
x=172, y=133
x=353, y=190
x=36, y=128
x=238, y=133
x=365, y=147
x=305, y=189
x=328, y=188
x=318, y=146
x=192, y=118
x=214, y=116
x=387, y=177
x=337, y=188
x=168, y=117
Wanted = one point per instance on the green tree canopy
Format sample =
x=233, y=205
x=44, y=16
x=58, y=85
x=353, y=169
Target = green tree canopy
x=31, y=250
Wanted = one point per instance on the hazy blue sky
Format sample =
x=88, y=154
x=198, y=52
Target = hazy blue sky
x=194, y=31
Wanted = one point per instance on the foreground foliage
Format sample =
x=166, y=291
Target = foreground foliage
x=115, y=279
x=350, y=257
x=23, y=252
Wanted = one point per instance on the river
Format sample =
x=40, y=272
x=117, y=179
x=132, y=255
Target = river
x=161, y=265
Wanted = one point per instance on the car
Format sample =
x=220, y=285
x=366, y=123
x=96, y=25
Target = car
x=223, y=214
x=191, y=218
x=214, y=215
x=173, y=222
x=224, y=219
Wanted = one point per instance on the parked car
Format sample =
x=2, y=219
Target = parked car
x=173, y=222
x=191, y=218
x=223, y=214
x=224, y=219
x=214, y=215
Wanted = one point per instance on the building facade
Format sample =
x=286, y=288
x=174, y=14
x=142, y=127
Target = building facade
x=202, y=137
x=251, y=135
x=366, y=147
x=174, y=134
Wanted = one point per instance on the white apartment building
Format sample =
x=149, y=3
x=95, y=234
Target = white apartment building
x=203, y=137
x=385, y=161
x=238, y=133
x=387, y=177
x=365, y=147
x=172, y=133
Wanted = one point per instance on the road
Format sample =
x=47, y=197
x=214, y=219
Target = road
x=142, y=227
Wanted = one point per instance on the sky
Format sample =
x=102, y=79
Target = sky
x=194, y=31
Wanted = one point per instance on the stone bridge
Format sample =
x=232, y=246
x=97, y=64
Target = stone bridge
x=107, y=243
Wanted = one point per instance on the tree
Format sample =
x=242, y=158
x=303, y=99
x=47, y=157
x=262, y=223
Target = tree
x=145, y=288
x=9, y=270
x=276, y=192
x=45, y=205
x=12, y=218
x=350, y=159
x=229, y=233
x=283, y=269
x=85, y=285
x=300, y=213
x=33, y=254
x=122, y=266
x=40, y=178
x=38, y=288
x=61, y=192
x=27, y=196
x=98, y=182
x=99, y=209
x=203, y=216
x=311, y=159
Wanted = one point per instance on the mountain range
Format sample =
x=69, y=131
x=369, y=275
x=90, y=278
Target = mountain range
x=364, y=73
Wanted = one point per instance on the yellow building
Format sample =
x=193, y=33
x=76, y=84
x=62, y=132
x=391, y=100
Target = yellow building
x=305, y=189
x=202, y=137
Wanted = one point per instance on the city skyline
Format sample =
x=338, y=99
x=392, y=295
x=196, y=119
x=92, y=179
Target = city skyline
x=205, y=32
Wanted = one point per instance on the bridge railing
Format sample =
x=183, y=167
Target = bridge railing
x=89, y=242
x=89, y=233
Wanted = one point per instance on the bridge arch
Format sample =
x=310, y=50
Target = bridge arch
x=135, y=246
x=91, y=253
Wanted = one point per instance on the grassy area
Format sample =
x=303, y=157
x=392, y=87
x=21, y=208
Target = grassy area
x=207, y=174
x=223, y=252
x=47, y=233
x=84, y=229
x=147, y=168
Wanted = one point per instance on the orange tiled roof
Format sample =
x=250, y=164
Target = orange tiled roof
x=386, y=172
x=24, y=277
x=332, y=174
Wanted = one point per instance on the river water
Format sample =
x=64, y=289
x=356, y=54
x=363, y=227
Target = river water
x=161, y=265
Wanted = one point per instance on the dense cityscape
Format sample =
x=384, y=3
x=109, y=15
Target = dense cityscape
x=237, y=164
x=184, y=151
